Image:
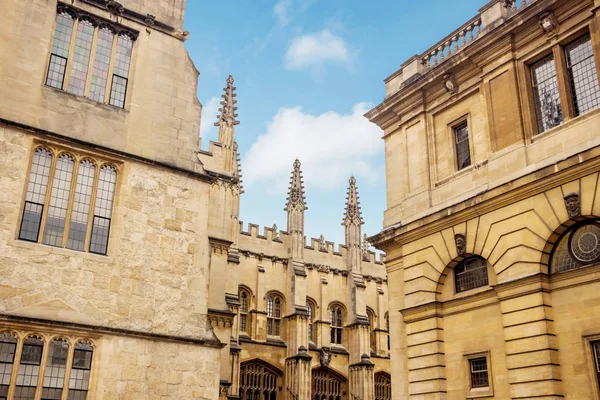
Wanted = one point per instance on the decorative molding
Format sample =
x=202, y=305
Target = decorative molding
x=78, y=13
x=549, y=23
x=352, y=213
x=573, y=205
x=296, y=199
x=219, y=246
x=325, y=356
x=450, y=83
x=227, y=116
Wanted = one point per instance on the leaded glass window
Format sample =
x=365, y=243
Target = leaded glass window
x=81, y=57
x=461, y=140
x=104, y=48
x=583, y=75
x=29, y=368
x=120, y=77
x=56, y=365
x=383, y=386
x=479, y=372
x=244, y=299
x=327, y=385
x=310, y=308
x=546, y=95
x=80, y=372
x=58, y=214
x=470, y=273
x=336, y=324
x=258, y=382
x=8, y=348
x=273, y=315
x=578, y=247
x=60, y=50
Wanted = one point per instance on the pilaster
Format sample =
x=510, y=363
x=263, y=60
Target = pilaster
x=298, y=376
x=361, y=379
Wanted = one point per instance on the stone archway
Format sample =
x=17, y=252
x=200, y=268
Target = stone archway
x=259, y=381
x=328, y=385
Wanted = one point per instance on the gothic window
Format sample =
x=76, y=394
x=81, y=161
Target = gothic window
x=273, y=315
x=56, y=365
x=258, y=382
x=327, y=385
x=546, y=95
x=61, y=193
x=244, y=305
x=470, y=273
x=80, y=372
x=578, y=247
x=461, y=140
x=336, y=324
x=8, y=348
x=383, y=386
x=372, y=339
x=86, y=51
x=582, y=75
x=29, y=368
x=311, y=308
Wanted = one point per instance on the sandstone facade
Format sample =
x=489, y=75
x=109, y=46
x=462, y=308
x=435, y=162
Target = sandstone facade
x=490, y=295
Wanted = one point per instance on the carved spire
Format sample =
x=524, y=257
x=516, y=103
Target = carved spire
x=227, y=114
x=296, y=198
x=352, y=214
x=237, y=173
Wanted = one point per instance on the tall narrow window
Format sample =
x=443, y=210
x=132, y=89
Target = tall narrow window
x=387, y=327
x=479, y=372
x=310, y=308
x=546, y=94
x=120, y=76
x=60, y=50
x=273, y=315
x=29, y=368
x=582, y=74
x=103, y=210
x=461, y=140
x=81, y=57
x=80, y=372
x=8, y=347
x=243, y=311
x=59, y=201
x=101, y=63
x=336, y=322
x=81, y=205
x=596, y=355
x=372, y=338
x=36, y=195
x=56, y=365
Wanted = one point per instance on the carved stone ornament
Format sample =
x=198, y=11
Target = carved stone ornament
x=549, y=23
x=573, y=205
x=150, y=20
x=461, y=243
x=182, y=35
x=322, y=245
x=450, y=83
x=275, y=232
x=325, y=357
x=115, y=8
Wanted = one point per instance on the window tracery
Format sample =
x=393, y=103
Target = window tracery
x=244, y=306
x=311, y=308
x=258, y=382
x=273, y=315
x=383, y=386
x=578, y=247
x=337, y=324
x=326, y=385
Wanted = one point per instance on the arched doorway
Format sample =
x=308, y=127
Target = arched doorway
x=259, y=381
x=328, y=385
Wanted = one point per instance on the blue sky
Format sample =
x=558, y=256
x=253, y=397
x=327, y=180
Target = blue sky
x=305, y=72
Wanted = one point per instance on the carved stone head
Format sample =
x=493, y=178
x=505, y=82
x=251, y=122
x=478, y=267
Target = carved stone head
x=325, y=357
x=573, y=205
x=450, y=83
x=461, y=243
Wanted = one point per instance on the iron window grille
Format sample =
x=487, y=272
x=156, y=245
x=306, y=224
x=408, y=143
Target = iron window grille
x=578, y=247
x=583, y=77
x=336, y=322
x=470, y=273
x=546, y=94
x=68, y=202
x=86, y=52
x=461, y=140
x=273, y=315
x=479, y=372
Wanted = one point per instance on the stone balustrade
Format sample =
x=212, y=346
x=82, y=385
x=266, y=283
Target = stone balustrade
x=452, y=43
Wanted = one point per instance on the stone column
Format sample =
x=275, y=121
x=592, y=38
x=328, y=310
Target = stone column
x=298, y=375
x=234, y=363
x=361, y=379
x=531, y=346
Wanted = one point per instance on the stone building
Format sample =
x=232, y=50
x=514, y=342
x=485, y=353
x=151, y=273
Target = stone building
x=125, y=272
x=491, y=230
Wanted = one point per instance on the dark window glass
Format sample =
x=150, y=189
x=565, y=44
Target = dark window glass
x=383, y=387
x=579, y=247
x=121, y=71
x=80, y=373
x=59, y=201
x=60, y=51
x=101, y=64
x=103, y=210
x=479, y=372
x=36, y=195
x=81, y=57
x=583, y=75
x=327, y=386
x=336, y=323
x=545, y=94
x=29, y=368
x=309, y=309
x=596, y=355
x=56, y=364
x=463, y=153
x=257, y=382
x=243, y=311
x=273, y=315
x=470, y=274
x=8, y=347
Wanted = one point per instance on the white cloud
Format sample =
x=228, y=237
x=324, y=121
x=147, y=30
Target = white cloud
x=282, y=10
x=330, y=146
x=210, y=110
x=316, y=49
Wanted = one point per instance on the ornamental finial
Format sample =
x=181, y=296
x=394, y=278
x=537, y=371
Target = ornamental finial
x=352, y=214
x=296, y=190
x=227, y=111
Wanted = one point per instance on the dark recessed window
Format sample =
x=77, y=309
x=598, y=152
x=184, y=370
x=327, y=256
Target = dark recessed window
x=579, y=247
x=596, y=356
x=244, y=299
x=461, y=140
x=545, y=94
x=470, y=274
x=582, y=75
x=273, y=315
x=336, y=324
x=479, y=372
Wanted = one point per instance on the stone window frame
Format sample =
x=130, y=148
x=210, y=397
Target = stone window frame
x=562, y=248
x=451, y=134
x=244, y=315
x=464, y=262
x=372, y=324
x=336, y=325
x=78, y=156
x=593, y=370
x=557, y=50
x=42, y=377
x=273, y=300
x=387, y=328
x=312, y=333
x=480, y=392
x=98, y=23
x=382, y=384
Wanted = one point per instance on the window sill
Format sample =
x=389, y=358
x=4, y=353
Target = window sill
x=565, y=125
x=45, y=249
x=480, y=393
x=86, y=100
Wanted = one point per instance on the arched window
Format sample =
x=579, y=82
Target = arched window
x=29, y=367
x=327, y=385
x=56, y=365
x=273, y=315
x=258, y=381
x=383, y=386
x=337, y=323
x=8, y=348
x=470, y=273
x=311, y=307
x=578, y=247
x=372, y=339
x=244, y=306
